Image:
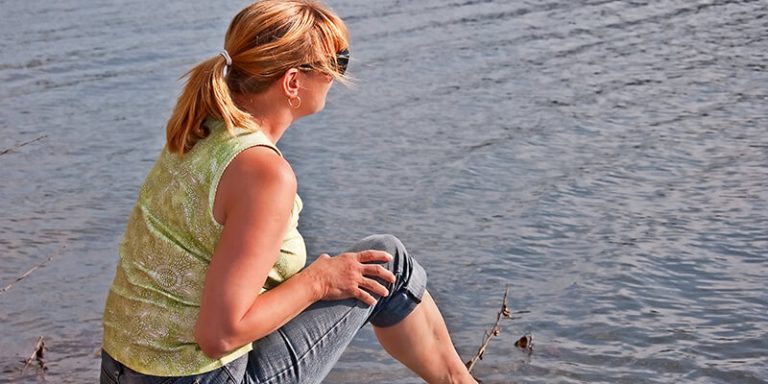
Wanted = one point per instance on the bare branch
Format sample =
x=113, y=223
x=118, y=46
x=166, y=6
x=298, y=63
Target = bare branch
x=38, y=355
x=494, y=331
x=27, y=273
x=17, y=146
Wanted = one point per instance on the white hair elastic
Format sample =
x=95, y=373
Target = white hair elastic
x=227, y=58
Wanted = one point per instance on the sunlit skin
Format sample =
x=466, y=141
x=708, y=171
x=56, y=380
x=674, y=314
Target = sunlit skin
x=233, y=313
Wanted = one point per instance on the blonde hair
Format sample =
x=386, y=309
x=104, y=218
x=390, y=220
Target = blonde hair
x=264, y=40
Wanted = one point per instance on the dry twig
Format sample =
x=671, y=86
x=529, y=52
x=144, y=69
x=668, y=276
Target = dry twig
x=38, y=355
x=25, y=274
x=17, y=146
x=495, y=331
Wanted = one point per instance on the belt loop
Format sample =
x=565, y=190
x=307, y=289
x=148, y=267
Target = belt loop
x=118, y=371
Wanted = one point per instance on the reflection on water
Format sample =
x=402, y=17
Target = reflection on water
x=605, y=159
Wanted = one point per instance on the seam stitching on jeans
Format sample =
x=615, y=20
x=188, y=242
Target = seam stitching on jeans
x=292, y=352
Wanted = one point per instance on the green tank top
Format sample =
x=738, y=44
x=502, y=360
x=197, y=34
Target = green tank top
x=154, y=300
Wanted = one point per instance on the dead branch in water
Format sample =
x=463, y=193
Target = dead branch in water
x=17, y=146
x=38, y=355
x=27, y=273
x=495, y=331
x=504, y=312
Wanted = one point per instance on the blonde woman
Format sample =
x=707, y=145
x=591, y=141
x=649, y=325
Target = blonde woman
x=211, y=285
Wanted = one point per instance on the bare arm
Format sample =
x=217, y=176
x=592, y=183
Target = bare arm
x=255, y=198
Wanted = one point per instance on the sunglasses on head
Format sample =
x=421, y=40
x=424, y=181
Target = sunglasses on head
x=342, y=61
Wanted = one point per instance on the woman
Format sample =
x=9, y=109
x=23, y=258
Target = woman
x=210, y=286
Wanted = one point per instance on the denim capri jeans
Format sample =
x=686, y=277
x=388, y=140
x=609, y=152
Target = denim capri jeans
x=305, y=349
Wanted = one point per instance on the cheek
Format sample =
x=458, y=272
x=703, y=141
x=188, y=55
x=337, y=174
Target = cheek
x=323, y=94
x=318, y=102
x=319, y=93
x=321, y=104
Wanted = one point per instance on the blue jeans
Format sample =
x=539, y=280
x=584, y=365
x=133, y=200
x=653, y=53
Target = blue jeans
x=305, y=349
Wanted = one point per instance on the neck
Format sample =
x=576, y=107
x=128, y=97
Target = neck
x=269, y=112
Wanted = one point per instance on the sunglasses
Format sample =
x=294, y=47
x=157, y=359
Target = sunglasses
x=342, y=61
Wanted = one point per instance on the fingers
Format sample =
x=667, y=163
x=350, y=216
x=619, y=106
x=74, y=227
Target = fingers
x=360, y=275
x=373, y=256
x=374, y=287
x=376, y=270
x=365, y=297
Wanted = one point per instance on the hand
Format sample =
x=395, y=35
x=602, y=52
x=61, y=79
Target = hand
x=348, y=275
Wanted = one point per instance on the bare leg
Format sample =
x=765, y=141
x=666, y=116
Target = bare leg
x=421, y=342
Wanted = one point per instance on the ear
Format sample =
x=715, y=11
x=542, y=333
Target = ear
x=290, y=83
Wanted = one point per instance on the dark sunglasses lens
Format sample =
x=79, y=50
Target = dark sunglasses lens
x=342, y=60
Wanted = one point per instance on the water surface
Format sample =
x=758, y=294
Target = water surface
x=606, y=160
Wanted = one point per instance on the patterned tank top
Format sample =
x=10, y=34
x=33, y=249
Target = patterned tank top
x=154, y=300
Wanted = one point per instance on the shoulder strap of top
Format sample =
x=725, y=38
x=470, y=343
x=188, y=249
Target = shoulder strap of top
x=241, y=138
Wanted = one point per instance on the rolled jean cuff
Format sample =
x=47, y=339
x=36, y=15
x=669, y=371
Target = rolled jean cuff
x=402, y=302
x=407, y=292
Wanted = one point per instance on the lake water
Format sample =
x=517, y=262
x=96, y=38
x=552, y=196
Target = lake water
x=606, y=160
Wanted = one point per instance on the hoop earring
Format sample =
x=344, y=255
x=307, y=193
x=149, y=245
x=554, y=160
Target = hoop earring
x=298, y=104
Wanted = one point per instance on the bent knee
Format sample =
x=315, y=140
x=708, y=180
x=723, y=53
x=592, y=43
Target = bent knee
x=403, y=266
x=382, y=242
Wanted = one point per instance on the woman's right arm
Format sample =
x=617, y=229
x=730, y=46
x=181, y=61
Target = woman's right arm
x=255, y=197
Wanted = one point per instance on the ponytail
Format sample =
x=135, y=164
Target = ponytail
x=205, y=94
x=264, y=40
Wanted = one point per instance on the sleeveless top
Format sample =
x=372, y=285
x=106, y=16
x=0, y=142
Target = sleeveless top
x=154, y=300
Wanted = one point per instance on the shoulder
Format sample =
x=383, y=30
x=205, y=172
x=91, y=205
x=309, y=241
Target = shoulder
x=263, y=165
x=256, y=180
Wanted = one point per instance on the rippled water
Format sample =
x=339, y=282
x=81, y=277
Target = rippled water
x=608, y=160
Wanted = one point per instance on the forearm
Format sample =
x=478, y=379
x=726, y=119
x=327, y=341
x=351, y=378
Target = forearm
x=273, y=308
x=222, y=327
x=268, y=312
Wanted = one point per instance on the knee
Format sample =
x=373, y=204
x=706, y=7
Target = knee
x=410, y=284
x=385, y=242
x=404, y=266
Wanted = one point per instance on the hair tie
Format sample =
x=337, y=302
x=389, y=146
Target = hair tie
x=227, y=58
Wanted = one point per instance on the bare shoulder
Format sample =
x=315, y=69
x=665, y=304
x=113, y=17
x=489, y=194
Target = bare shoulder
x=263, y=165
x=254, y=177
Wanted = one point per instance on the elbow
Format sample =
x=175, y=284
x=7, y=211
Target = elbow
x=213, y=350
x=212, y=343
